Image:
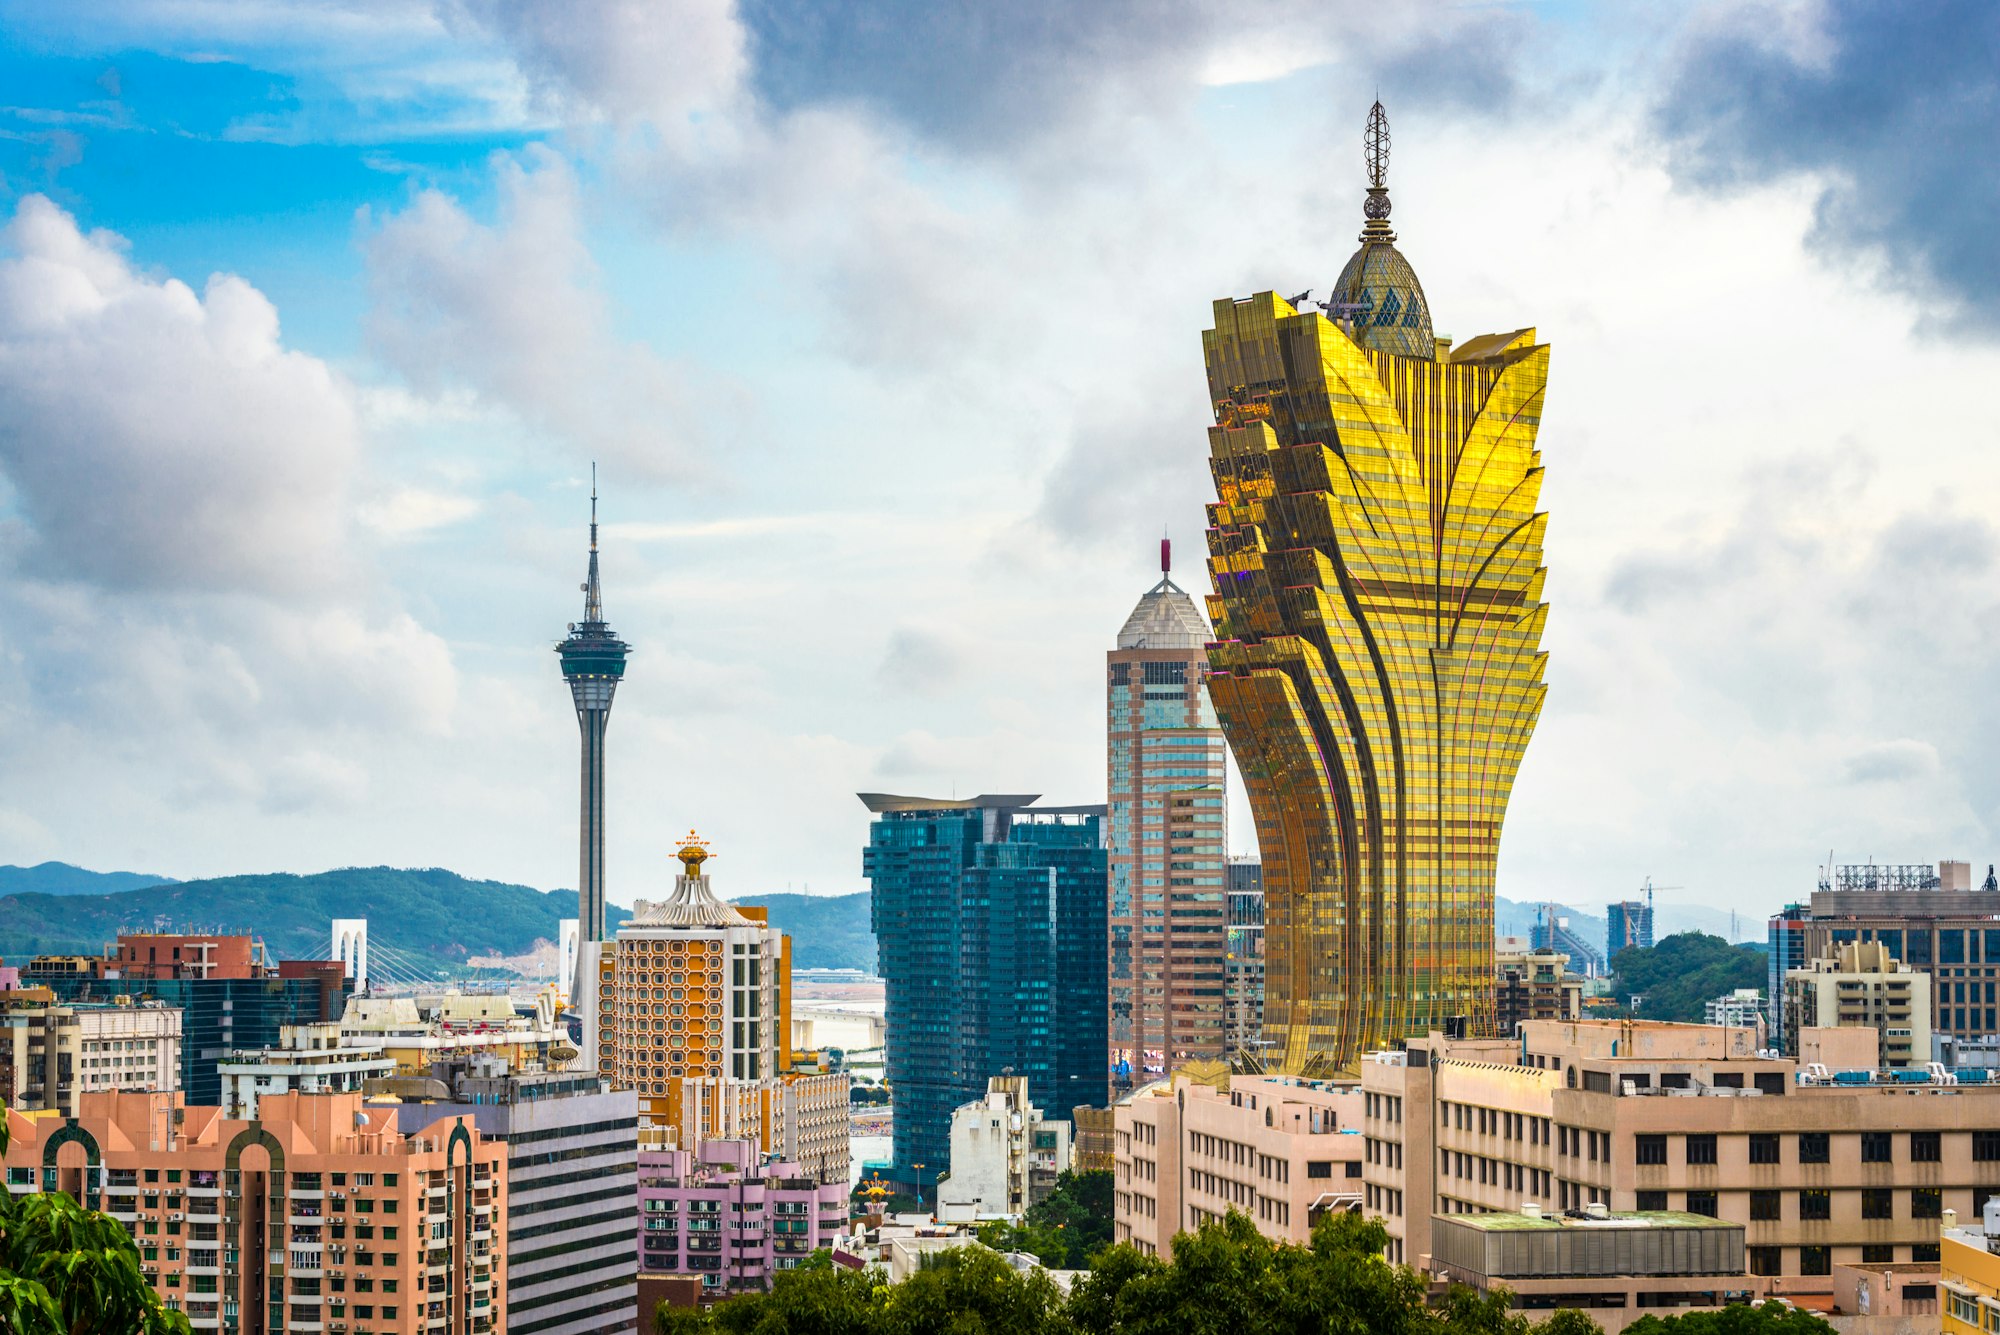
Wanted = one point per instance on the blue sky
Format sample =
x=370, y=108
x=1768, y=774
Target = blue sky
x=882, y=324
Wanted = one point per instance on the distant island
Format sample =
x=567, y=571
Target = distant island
x=420, y=921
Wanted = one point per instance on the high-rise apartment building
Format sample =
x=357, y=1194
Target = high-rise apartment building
x=1627, y=923
x=572, y=1186
x=1167, y=766
x=323, y=1214
x=1245, y=883
x=1377, y=560
x=732, y=1215
x=1534, y=985
x=593, y=663
x=989, y=918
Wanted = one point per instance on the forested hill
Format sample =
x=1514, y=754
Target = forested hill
x=428, y=913
x=1677, y=977
x=60, y=878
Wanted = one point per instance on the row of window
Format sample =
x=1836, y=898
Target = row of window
x=1813, y=1203
x=1812, y=1147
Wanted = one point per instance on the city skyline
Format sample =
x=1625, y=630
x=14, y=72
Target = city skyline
x=300, y=615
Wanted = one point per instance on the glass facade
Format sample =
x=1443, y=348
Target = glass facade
x=990, y=932
x=1166, y=774
x=1377, y=559
x=220, y=1015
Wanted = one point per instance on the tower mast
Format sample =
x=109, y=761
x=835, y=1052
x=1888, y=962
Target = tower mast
x=593, y=663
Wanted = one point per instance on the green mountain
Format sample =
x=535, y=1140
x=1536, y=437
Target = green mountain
x=1677, y=977
x=415, y=917
x=827, y=931
x=60, y=878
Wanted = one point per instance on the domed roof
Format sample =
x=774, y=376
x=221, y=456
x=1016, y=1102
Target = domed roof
x=1377, y=296
x=1384, y=300
x=1165, y=618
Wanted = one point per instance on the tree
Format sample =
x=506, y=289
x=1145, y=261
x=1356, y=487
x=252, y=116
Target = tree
x=970, y=1291
x=65, y=1270
x=1685, y=971
x=1044, y=1242
x=1080, y=1208
x=1768, y=1318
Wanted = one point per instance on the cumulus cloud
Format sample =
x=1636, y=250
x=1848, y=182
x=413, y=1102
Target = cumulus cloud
x=1889, y=762
x=629, y=60
x=513, y=310
x=982, y=76
x=1891, y=110
x=160, y=438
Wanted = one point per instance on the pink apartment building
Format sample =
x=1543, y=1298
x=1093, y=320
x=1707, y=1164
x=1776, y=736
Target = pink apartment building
x=732, y=1216
x=1277, y=1148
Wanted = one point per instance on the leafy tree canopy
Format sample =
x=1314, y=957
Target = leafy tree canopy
x=1682, y=973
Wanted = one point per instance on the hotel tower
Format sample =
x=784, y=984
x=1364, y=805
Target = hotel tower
x=1167, y=910
x=1377, y=666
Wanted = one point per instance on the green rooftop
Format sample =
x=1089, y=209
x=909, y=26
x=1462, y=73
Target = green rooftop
x=1508, y=1222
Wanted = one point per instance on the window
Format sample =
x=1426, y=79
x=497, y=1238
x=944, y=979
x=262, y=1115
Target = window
x=1701, y=1202
x=1875, y=1147
x=1815, y=1261
x=1650, y=1149
x=1815, y=1203
x=1877, y=1254
x=1926, y=1203
x=1319, y=1168
x=1766, y=1205
x=1767, y=1260
x=1923, y=1251
x=1964, y=1307
x=1652, y=1200
x=1986, y=1146
x=1878, y=1203
x=1764, y=1148
x=1924, y=1147
x=1815, y=1147
x=1701, y=1149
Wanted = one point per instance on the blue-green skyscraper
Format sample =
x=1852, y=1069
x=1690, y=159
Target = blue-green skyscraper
x=989, y=917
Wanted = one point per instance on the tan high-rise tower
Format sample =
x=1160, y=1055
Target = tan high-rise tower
x=1168, y=906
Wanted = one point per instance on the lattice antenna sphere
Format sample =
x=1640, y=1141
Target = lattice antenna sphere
x=1375, y=144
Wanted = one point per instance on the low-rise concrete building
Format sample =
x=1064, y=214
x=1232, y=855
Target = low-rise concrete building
x=732, y=1216
x=1279, y=1149
x=1739, y=1008
x=309, y=1058
x=53, y=1053
x=1615, y=1267
x=1818, y=1169
x=1864, y=986
x=1005, y=1156
x=1969, y=1272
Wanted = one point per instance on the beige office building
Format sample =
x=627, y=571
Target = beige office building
x=1645, y=1117
x=52, y=1054
x=1534, y=985
x=1277, y=1148
x=1864, y=986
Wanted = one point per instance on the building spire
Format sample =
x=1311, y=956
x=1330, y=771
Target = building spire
x=1375, y=148
x=593, y=593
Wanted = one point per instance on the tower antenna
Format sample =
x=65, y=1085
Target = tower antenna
x=1375, y=143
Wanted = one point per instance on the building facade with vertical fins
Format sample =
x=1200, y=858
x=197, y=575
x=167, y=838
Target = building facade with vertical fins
x=1166, y=764
x=989, y=923
x=1376, y=553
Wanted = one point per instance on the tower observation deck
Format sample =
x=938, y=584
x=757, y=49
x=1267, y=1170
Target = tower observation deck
x=593, y=662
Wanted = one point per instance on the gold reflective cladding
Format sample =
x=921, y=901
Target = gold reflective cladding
x=1377, y=560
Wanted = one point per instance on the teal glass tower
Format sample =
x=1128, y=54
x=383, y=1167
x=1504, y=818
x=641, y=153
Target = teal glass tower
x=593, y=663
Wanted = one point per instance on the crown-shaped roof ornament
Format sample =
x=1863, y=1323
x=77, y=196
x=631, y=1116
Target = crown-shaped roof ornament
x=1375, y=148
x=692, y=853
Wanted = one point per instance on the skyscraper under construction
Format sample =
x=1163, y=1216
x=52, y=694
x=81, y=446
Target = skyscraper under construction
x=1377, y=560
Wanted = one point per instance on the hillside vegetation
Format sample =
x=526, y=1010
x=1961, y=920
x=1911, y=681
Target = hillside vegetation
x=428, y=913
x=1677, y=977
x=60, y=878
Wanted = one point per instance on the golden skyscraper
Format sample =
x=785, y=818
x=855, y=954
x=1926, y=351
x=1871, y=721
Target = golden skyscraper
x=1377, y=559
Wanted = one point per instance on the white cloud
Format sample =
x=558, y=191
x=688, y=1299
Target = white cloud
x=160, y=439
x=515, y=312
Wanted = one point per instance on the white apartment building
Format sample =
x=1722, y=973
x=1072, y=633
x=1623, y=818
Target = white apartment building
x=309, y=1058
x=1005, y=1156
